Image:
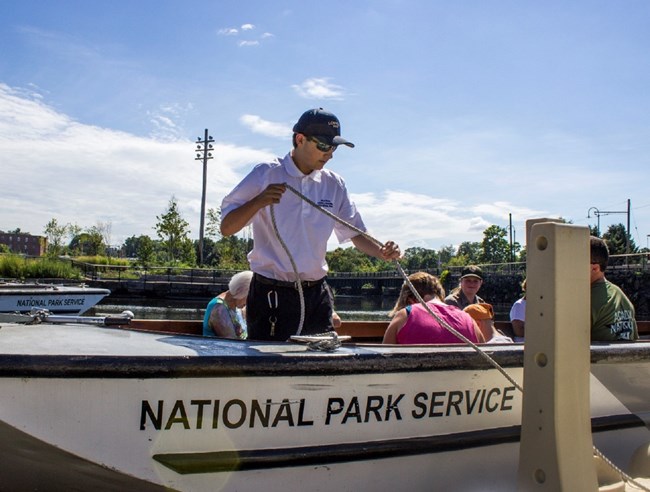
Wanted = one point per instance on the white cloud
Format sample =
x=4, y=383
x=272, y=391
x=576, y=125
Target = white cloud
x=501, y=209
x=264, y=127
x=245, y=29
x=168, y=121
x=228, y=31
x=319, y=88
x=96, y=174
x=413, y=219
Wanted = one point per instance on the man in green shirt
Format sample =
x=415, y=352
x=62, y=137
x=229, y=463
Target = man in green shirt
x=612, y=313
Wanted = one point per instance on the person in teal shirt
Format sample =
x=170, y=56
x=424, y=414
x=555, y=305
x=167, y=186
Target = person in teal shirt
x=224, y=315
x=612, y=313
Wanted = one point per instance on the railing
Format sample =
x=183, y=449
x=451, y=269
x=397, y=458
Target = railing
x=151, y=274
x=636, y=262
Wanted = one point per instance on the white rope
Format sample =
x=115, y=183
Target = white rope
x=301, y=295
x=442, y=322
x=399, y=268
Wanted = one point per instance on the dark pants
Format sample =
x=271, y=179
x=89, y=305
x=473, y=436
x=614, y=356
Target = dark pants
x=278, y=303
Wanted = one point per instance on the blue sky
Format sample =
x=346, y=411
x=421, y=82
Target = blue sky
x=462, y=112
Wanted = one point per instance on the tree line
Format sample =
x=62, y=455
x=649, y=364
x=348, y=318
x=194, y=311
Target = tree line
x=172, y=246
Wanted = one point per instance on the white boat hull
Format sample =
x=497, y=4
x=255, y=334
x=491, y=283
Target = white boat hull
x=60, y=299
x=149, y=411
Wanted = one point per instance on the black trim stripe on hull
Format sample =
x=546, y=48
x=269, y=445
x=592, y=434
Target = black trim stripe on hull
x=244, y=360
x=225, y=365
x=225, y=461
x=224, y=358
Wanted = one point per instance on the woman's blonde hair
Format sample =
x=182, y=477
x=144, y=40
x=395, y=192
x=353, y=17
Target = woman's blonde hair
x=425, y=284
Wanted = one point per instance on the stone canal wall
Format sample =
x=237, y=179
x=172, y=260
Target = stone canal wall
x=500, y=289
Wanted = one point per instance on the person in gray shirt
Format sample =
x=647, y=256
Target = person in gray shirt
x=462, y=296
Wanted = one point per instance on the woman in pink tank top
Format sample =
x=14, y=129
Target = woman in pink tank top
x=413, y=324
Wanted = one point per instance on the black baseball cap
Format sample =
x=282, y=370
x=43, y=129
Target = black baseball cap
x=322, y=124
x=472, y=271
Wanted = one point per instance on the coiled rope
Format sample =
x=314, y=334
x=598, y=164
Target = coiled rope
x=442, y=322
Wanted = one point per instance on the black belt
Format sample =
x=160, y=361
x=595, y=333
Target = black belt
x=283, y=283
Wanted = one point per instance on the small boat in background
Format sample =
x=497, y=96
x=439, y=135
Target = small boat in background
x=16, y=297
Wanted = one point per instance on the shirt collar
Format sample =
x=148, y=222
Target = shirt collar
x=293, y=171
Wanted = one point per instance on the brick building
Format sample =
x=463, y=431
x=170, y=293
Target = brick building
x=23, y=243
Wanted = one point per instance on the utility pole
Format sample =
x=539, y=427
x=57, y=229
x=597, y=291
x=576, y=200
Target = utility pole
x=627, y=242
x=203, y=153
x=598, y=213
x=512, y=256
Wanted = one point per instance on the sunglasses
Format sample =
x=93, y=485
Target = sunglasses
x=322, y=146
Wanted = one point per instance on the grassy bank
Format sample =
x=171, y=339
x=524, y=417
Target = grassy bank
x=18, y=267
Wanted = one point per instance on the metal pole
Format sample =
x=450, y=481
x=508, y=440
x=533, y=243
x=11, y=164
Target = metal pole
x=627, y=239
x=202, y=153
x=512, y=259
x=597, y=214
x=205, y=180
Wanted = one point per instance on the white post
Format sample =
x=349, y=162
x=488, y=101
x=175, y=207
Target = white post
x=556, y=446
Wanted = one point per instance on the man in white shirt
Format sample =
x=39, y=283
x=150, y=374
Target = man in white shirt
x=273, y=307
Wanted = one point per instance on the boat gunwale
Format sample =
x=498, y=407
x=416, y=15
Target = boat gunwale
x=254, y=359
x=263, y=365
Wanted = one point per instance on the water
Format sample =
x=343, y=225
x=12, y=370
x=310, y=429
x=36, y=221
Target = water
x=349, y=308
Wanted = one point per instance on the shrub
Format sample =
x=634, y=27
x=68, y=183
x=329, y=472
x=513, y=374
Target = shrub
x=18, y=267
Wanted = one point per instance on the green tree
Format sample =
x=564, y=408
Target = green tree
x=173, y=231
x=349, y=260
x=496, y=248
x=419, y=259
x=78, y=244
x=55, y=234
x=96, y=244
x=145, y=250
x=230, y=253
x=213, y=223
x=187, y=252
x=73, y=230
x=459, y=260
x=445, y=254
x=105, y=229
x=130, y=246
x=90, y=242
x=470, y=251
x=210, y=254
x=616, y=238
x=521, y=256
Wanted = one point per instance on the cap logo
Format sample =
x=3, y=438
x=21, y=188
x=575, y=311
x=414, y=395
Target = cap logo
x=333, y=123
